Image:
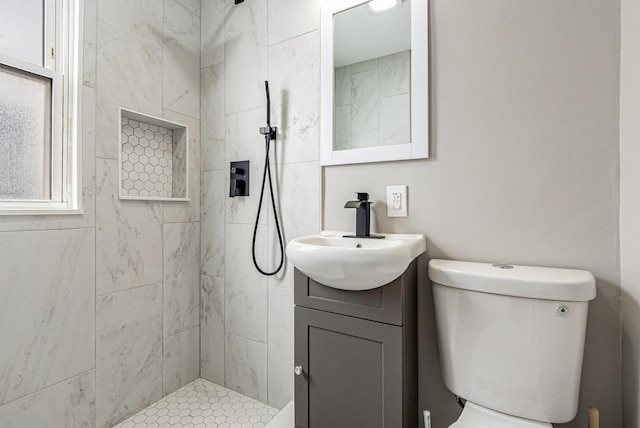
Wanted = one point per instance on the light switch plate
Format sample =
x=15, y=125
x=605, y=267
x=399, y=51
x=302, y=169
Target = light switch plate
x=397, y=201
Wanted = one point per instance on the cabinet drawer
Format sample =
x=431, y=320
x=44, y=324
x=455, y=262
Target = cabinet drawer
x=383, y=304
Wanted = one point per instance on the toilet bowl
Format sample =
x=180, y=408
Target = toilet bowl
x=511, y=340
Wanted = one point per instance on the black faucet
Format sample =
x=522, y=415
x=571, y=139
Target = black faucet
x=363, y=215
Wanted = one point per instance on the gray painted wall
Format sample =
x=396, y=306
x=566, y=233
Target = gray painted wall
x=629, y=209
x=524, y=165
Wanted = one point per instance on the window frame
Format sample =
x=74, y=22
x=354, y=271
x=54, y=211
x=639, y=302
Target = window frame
x=62, y=59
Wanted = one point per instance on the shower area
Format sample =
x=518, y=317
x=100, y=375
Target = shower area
x=136, y=302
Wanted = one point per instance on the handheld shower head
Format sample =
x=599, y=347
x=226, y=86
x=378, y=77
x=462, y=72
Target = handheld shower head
x=269, y=133
x=266, y=88
x=268, y=130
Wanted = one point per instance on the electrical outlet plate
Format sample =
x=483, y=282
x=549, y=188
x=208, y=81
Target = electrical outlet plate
x=397, y=201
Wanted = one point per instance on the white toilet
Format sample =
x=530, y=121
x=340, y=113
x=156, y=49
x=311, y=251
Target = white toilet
x=511, y=340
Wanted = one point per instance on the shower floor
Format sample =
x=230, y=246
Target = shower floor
x=203, y=404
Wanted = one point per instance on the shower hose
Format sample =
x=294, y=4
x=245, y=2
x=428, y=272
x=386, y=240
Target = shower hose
x=269, y=133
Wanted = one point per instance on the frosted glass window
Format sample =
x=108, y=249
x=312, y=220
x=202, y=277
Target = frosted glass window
x=25, y=135
x=22, y=30
x=40, y=93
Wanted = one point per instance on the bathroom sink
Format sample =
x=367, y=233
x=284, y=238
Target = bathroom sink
x=354, y=263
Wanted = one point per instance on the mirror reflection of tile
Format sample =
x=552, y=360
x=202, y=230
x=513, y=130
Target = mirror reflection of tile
x=372, y=102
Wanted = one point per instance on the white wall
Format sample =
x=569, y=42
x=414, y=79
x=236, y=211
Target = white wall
x=524, y=166
x=630, y=209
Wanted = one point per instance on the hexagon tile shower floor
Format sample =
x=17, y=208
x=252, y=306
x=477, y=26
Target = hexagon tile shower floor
x=202, y=404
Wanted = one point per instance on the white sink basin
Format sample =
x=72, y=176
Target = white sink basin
x=354, y=263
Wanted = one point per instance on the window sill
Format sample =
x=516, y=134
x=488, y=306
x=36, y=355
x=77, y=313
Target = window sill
x=40, y=212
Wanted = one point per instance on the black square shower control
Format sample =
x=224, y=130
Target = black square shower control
x=239, y=179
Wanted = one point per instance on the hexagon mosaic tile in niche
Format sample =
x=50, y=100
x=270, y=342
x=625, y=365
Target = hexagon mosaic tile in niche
x=146, y=158
x=202, y=404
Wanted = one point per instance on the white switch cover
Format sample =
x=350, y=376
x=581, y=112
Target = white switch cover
x=397, y=201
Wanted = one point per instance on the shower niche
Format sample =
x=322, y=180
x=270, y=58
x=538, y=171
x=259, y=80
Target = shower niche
x=153, y=158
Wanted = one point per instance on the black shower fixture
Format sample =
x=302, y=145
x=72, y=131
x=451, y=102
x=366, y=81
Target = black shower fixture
x=270, y=133
x=239, y=179
x=239, y=1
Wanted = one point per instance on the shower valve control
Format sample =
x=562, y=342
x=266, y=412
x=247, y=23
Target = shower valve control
x=239, y=179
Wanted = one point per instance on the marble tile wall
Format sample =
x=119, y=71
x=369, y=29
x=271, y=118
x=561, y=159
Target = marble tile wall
x=247, y=319
x=100, y=311
x=70, y=403
x=373, y=102
x=128, y=352
x=47, y=302
x=118, y=320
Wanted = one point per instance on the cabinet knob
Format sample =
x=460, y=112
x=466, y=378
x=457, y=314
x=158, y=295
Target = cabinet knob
x=298, y=370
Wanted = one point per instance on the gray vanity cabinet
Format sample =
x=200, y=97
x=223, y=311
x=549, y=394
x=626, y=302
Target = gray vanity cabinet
x=356, y=355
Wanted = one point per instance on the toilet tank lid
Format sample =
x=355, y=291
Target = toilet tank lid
x=520, y=281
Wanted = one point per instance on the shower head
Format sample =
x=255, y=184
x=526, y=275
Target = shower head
x=239, y=1
x=268, y=131
x=266, y=89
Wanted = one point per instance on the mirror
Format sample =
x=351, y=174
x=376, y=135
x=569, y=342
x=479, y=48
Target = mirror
x=373, y=82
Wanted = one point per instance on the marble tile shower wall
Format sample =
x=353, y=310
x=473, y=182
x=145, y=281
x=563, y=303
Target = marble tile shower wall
x=100, y=311
x=247, y=319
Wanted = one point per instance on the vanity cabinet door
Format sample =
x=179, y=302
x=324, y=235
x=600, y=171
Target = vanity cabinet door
x=352, y=372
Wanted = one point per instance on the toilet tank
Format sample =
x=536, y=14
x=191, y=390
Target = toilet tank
x=511, y=338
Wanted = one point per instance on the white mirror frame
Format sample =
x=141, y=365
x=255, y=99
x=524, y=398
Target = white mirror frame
x=419, y=146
